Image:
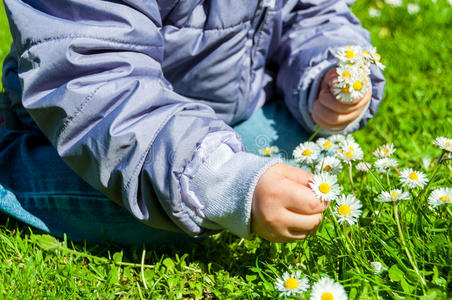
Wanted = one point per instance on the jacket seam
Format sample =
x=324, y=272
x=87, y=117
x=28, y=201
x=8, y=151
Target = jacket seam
x=74, y=36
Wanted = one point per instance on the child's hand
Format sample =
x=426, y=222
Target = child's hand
x=284, y=206
x=330, y=113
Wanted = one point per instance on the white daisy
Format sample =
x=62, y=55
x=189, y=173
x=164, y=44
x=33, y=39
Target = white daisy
x=374, y=13
x=383, y=165
x=337, y=139
x=268, y=151
x=413, y=8
x=347, y=209
x=350, y=151
x=292, y=284
x=384, y=151
x=394, y=3
x=444, y=143
x=329, y=164
x=325, y=186
x=393, y=195
x=440, y=196
x=326, y=144
x=349, y=55
x=306, y=153
x=343, y=92
x=363, y=166
x=377, y=267
x=328, y=289
x=426, y=162
x=372, y=56
x=412, y=179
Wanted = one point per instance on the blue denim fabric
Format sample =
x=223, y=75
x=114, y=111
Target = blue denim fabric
x=40, y=190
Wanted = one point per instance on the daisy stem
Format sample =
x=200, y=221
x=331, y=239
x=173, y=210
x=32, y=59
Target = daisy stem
x=448, y=211
x=405, y=247
x=350, y=176
x=317, y=130
x=387, y=180
x=377, y=179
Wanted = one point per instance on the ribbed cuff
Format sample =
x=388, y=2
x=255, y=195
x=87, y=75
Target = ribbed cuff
x=227, y=189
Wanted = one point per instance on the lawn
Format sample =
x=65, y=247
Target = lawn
x=409, y=238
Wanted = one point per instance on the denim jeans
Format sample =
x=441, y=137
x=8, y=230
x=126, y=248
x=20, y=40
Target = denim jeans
x=37, y=188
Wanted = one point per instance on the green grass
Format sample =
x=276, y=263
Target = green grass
x=416, y=109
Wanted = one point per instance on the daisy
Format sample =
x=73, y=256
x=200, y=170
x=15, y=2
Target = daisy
x=342, y=91
x=444, y=143
x=384, y=151
x=394, y=3
x=306, y=153
x=363, y=166
x=377, y=267
x=349, y=55
x=292, y=284
x=359, y=86
x=350, y=151
x=337, y=139
x=268, y=151
x=412, y=179
x=327, y=288
x=325, y=186
x=374, y=13
x=348, y=209
x=440, y=196
x=326, y=144
x=372, y=56
x=413, y=8
x=393, y=195
x=330, y=165
x=383, y=165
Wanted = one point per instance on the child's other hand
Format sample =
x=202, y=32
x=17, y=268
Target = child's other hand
x=330, y=113
x=284, y=206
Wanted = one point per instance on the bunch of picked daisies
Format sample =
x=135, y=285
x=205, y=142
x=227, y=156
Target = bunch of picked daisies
x=353, y=72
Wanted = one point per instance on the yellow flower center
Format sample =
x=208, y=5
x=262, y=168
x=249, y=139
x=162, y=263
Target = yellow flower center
x=327, y=168
x=346, y=74
x=341, y=151
x=267, y=151
x=366, y=80
x=385, y=150
x=327, y=296
x=393, y=195
x=306, y=152
x=351, y=148
x=344, y=210
x=327, y=144
x=349, y=54
x=324, y=188
x=377, y=57
x=448, y=144
x=444, y=198
x=346, y=89
x=291, y=283
x=365, y=53
x=358, y=85
x=348, y=154
x=413, y=176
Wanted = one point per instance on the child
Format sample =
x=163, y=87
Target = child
x=137, y=98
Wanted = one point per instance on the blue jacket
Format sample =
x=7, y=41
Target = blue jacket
x=137, y=96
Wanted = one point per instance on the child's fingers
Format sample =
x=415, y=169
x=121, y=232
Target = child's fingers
x=301, y=199
x=330, y=119
x=302, y=223
x=329, y=100
x=298, y=175
x=328, y=79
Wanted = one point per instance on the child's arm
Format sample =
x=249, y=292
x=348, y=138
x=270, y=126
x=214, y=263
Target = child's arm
x=92, y=81
x=312, y=32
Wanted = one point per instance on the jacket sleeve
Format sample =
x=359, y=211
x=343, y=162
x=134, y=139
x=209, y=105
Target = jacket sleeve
x=92, y=81
x=312, y=31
